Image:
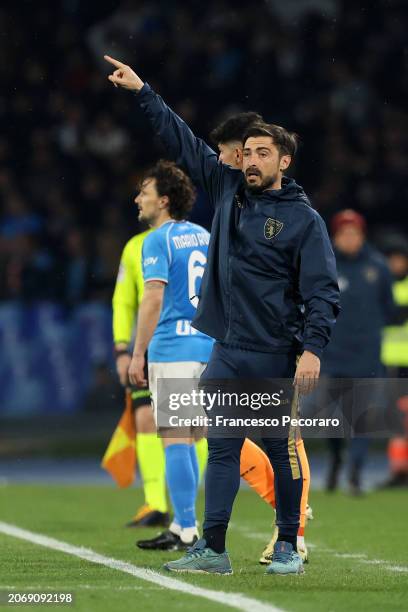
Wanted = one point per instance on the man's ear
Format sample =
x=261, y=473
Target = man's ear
x=164, y=202
x=284, y=162
x=239, y=156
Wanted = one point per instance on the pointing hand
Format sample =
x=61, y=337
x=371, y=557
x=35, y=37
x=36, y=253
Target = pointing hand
x=124, y=76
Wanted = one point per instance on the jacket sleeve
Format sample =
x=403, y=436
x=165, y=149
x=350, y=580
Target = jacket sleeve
x=318, y=287
x=387, y=297
x=196, y=157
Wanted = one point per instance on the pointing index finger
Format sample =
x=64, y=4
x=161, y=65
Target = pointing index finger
x=114, y=61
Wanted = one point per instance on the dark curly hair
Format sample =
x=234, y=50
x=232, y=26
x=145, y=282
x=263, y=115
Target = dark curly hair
x=287, y=142
x=172, y=182
x=234, y=128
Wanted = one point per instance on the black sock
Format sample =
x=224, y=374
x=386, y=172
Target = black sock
x=215, y=538
x=288, y=538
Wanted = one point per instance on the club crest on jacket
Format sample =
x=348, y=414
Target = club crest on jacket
x=272, y=228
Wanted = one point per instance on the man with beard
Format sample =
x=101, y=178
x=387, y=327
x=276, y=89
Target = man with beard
x=269, y=293
x=255, y=466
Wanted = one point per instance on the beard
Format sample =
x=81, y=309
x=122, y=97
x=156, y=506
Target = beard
x=266, y=183
x=145, y=218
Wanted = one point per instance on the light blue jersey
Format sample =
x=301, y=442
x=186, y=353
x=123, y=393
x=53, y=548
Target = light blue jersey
x=176, y=253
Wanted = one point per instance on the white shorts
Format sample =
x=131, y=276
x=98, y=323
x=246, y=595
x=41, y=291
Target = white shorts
x=172, y=369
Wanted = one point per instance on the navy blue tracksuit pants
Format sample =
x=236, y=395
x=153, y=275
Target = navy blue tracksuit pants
x=223, y=471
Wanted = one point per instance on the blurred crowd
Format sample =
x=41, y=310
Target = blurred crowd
x=72, y=147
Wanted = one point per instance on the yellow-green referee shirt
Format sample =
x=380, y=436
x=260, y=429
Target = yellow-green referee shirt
x=128, y=289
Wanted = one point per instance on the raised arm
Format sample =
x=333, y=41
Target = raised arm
x=198, y=159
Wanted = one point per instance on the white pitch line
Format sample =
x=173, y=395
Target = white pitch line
x=350, y=556
x=360, y=558
x=234, y=600
x=386, y=565
x=397, y=568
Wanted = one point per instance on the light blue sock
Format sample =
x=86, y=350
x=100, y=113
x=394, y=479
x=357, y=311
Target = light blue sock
x=194, y=463
x=181, y=483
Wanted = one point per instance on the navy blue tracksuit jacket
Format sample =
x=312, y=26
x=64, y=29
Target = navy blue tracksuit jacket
x=270, y=284
x=367, y=306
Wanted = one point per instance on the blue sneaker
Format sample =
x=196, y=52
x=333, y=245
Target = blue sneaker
x=201, y=559
x=285, y=560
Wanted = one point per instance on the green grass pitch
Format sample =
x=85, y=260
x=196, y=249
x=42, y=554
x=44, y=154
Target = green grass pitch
x=358, y=554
